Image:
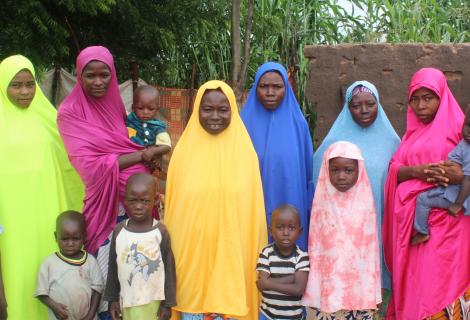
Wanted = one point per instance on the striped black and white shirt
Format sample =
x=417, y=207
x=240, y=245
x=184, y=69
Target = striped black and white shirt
x=276, y=305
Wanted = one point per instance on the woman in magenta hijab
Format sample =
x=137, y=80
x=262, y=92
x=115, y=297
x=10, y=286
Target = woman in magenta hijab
x=91, y=123
x=430, y=279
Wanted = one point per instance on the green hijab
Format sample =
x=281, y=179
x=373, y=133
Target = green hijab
x=37, y=183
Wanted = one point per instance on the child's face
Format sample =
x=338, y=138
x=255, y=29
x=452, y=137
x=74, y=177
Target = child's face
x=343, y=173
x=466, y=128
x=70, y=236
x=146, y=106
x=140, y=200
x=285, y=229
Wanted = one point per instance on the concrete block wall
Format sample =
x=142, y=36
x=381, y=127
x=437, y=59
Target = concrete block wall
x=389, y=67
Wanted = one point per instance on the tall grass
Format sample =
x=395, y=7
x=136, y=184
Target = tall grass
x=436, y=21
x=282, y=28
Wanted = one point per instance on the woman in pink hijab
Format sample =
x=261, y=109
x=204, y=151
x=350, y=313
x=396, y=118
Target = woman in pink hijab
x=429, y=279
x=343, y=244
x=91, y=123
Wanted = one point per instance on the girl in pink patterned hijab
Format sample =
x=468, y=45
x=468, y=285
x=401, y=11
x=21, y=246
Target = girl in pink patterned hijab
x=92, y=125
x=344, y=279
x=428, y=277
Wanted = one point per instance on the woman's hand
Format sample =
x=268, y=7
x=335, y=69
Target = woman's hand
x=449, y=173
x=427, y=172
x=148, y=154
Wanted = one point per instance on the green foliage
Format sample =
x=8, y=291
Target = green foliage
x=434, y=21
x=163, y=36
x=40, y=29
x=167, y=37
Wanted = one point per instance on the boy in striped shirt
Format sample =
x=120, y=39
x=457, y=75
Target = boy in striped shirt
x=283, y=268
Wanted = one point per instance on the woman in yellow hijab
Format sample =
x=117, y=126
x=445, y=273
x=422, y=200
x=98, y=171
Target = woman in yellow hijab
x=215, y=211
x=37, y=182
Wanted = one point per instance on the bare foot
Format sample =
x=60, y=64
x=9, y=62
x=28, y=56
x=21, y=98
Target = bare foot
x=454, y=209
x=419, y=238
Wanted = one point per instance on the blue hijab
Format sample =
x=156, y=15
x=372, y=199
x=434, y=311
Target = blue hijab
x=378, y=143
x=284, y=146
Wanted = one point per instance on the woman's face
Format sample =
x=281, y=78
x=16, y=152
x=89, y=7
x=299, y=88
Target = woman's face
x=271, y=90
x=22, y=89
x=363, y=108
x=214, y=112
x=96, y=77
x=424, y=103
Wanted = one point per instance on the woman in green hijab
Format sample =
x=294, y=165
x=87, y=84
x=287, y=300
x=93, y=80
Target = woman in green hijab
x=37, y=182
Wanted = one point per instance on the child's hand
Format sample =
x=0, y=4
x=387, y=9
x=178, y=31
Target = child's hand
x=60, y=311
x=454, y=209
x=115, y=310
x=262, y=282
x=164, y=313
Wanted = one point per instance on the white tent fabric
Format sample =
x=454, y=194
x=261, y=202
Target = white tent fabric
x=66, y=81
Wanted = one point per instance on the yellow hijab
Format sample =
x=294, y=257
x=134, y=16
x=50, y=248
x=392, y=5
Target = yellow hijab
x=215, y=216
x=37, y=183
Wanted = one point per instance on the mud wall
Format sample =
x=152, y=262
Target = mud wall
x=389, y=67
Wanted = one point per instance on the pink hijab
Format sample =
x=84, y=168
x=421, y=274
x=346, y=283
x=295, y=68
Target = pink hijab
x=95, y=135
x=343, y=241
x=428, y=277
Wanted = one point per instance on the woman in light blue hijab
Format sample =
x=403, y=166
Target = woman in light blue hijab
x=364, y=123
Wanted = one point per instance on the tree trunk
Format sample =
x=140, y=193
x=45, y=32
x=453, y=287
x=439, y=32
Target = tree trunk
x=239, y=70
x=235, y=42
x=246, y=54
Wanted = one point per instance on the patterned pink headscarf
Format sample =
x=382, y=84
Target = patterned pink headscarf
x=95, y=135
x=343, y=241
x=428, y=277
x=360, y=89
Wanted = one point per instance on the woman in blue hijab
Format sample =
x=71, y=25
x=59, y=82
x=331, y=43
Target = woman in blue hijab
x=283, y=143
x=364, y=123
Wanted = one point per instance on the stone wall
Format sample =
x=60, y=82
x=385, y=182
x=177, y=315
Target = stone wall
x=389, y=67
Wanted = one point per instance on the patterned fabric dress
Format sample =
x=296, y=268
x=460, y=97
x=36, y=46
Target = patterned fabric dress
x=345, y=315
x=344, y=279
x=378, y=142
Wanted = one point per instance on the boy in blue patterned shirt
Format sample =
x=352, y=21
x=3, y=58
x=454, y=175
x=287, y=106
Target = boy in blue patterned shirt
x=143, y=127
